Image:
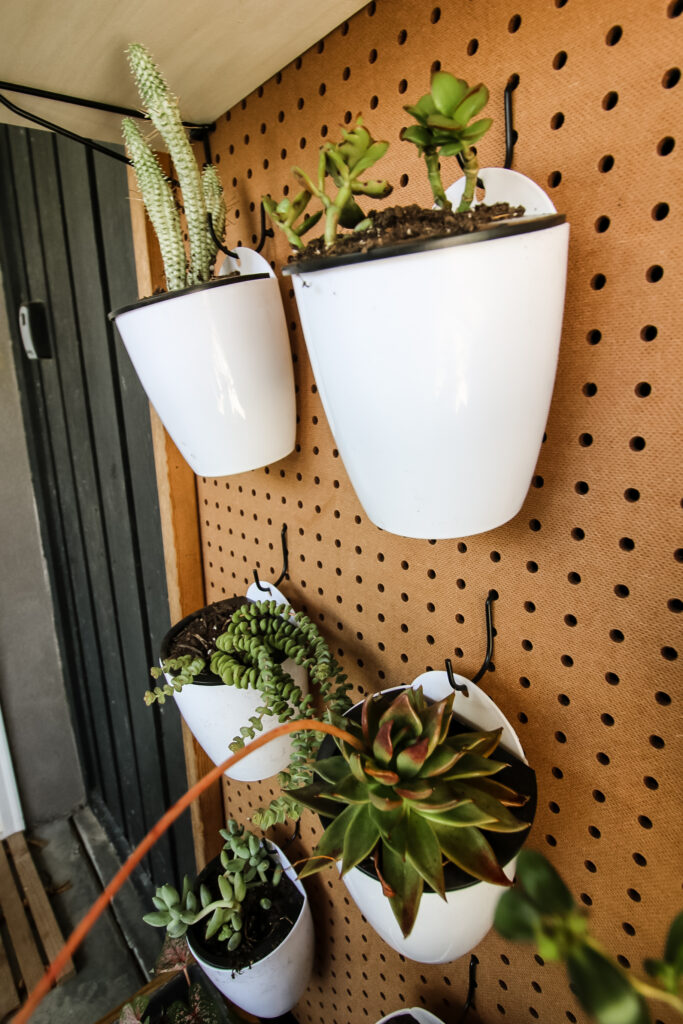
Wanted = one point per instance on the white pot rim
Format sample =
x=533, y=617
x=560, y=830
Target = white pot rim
x=205, y=678
x=502, y=229
x=182, y=292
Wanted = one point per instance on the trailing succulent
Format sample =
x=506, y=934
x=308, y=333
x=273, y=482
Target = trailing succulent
x=343, y=163
x=249, y=654
x=413, y=796
x=541, y=909
x=247, y=864
x=443, y=128
x=202, y=193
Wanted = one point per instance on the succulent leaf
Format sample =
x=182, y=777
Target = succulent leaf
x=447, y=91
x=360, y=839
x=423, y=851
x=406, y=884
x=468, y=848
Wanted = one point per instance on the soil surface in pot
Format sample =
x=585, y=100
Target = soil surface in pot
x=198, y=637
x=518, y=775
x=262, y=931
x=409, y=223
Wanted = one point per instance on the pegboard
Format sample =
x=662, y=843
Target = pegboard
x=588, y=575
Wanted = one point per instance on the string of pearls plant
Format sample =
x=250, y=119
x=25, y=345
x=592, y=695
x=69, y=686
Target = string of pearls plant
x=249, y=654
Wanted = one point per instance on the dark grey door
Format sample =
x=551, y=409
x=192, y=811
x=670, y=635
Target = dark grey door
x=66, y=242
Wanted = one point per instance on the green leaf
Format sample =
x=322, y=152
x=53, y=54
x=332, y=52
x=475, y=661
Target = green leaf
x=673, y=951
x=504, y=820
x=424, y=852
x=158, y=918
x=468, y=848
x=425, y=105
x=418, y=135
x=471, y=766
x=445, y=123
x=384, y=775
x=332, y=769
x=407, y=886
x=383, y=747
x=508, y=797
x=603, y=990
x=447, y=91
x=476, y=131
x=412, y=758
x=386, y=821
x=360, y=840
x=351, y=791
x=542, y=884
x=516, y=918
x=331, y=843
x=464, y=814
x=316, y=796
x=476, y=100
x=439, y=762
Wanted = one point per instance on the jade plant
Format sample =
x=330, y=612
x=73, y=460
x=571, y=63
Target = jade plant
x=541, y=910
x=247, y=865
x=202, y=193
x=443, y=128
x=342, y=163
x=412, y=797
x=249, y=654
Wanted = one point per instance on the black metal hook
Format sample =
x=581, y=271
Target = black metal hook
x=469, y=1002
x=219, y=244
x=285, y=563
x=493, y=596
x=510, y=134
x=459, y=687
x=266, y=232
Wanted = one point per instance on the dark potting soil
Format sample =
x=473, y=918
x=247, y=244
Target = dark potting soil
x=409, y=223
x=262, y=931
x=198, y=637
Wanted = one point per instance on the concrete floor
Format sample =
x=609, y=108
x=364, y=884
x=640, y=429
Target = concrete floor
x=108, y=971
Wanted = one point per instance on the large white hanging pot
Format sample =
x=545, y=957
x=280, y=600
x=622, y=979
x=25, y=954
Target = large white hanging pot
x=435, y=363
x=216, y=364
x=214, y=712
x=272, y=986
x=444, y=931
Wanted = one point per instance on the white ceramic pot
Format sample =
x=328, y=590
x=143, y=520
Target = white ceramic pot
x=272, y=986
x=214, y=712
x=443, y=931
x=216, y=364
x=420, y=1015
x=435, y=368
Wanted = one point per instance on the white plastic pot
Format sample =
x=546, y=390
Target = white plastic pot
x=420, y=1015
x=443, y=931
x=435, y=364
x=216, y=364
x=272, y=986
x=214, y=714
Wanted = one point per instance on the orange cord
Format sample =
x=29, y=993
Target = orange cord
x=105, y=898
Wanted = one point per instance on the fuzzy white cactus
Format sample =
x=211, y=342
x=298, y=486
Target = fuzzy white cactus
x=161, y=107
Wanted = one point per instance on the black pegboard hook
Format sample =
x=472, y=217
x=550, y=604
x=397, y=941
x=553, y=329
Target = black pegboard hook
x=510, y=133
x=285, y=564
x=490, y=634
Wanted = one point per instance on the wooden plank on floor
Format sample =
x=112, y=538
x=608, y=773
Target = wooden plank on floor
x=28, y=958
x=43, y=915
x=9, y=997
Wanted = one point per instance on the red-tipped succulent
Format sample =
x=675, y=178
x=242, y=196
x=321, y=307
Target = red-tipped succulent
x=413, y=796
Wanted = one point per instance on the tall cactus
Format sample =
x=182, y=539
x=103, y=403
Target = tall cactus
x=160, y=204
x=161, y=107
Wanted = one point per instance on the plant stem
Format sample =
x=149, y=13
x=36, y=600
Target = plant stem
x=470, y=167
x=140, y=851
x=652, y=992
x=434, y=175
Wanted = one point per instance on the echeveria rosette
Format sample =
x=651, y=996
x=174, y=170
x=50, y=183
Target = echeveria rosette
x=443, y=128
x=413, y=796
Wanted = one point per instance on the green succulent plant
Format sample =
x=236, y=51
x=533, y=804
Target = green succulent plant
x=247, y=863
x=249, y=654
x=202, y=192
x=413, y=796
x=541, y=909
x=343, y=163
x=443, y=128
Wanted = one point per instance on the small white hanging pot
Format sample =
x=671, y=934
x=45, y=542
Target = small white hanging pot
x=272, y=986
x=414, y=1013
x=446, y=930
x=214, y=712
x=215, y=362
x=435, y=363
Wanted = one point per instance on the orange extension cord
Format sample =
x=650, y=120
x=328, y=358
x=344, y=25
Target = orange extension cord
x=102, y=902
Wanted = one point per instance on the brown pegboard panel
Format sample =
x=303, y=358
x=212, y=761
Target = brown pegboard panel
x=589, y=573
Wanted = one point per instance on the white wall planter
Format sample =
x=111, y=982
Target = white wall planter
x=421, y=1016
x=216, y=364
x=443, y=931
x=274, y=985
x=214, y=713
x=435, y=364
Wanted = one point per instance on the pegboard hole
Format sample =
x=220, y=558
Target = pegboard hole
x=529, y=606
x=594, y=337
x=598, y=282
x=599, y=796
x=654, y=273
x=554, y=179
x=669, y=653
x=612, y=678
x=581, y=487
x=650, y=782
x=674, y=604
x=585, y=440
x=632, y=494
x=524, y=682
x=435, y=15
x=402, y=36
x=634, y=895
x=570, y=620
x=607, y=719
x=610, y=100
x=621, y=590
x=602, y=224
x=590, y=866
x=648, y=333
x=514, y=23
x=472, y=47
x=606, y=163
x=614, y=35
x=628, y=928
x=602, y=758
x=660, y=211
x=671, y=78
x=627, y=544
x=557, y=120
x=560, y=59
x=495, y=556
x=643, y=389
x=574, y=578
x=666, y=145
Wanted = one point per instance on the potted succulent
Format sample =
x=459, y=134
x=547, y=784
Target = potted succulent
x=240, y=667
x=541, y=909
x=247, y=922
x=186, y=998
x=417, y=794
x=433, y=334
x=212, y=354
